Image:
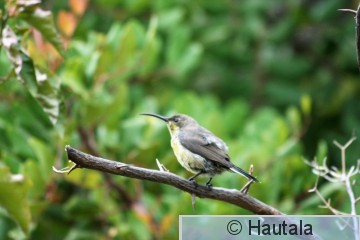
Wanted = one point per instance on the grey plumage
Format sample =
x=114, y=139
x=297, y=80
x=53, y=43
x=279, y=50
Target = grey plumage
x=197, y=149
x=202, y=142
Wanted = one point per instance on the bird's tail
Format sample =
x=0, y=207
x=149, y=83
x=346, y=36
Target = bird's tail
x=238, y=170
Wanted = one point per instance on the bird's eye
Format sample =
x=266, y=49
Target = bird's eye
x=176, y=120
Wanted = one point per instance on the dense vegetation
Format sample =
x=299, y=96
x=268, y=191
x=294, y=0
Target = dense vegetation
x=277, y=80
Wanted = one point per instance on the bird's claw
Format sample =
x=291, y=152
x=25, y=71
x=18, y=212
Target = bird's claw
x=194, y=182
x=209, y=186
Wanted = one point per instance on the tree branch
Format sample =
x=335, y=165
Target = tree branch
x=83, y=160
x=357, y=27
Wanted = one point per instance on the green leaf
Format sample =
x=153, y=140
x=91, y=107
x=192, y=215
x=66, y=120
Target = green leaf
x=72, y=76
x=31, y=169
x=235, y=110
x=305, y=104
x=43, y=21
x=321, y=151
x=150, y=56
x=190, y=59
x=177, y=45
x=151, y=49
x=22, y=63
x=36, y=82
x=79, y=234
x=45, y=157
x=13, y=197
x=128, y=44
x=47, y=95
x=41, y=88
x=27, y=72
x=294, y=119
x=11, y=46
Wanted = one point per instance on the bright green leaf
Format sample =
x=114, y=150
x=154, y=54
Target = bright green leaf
x=151, y=48
x=294, y=119
x=177, y=45
x=305, y=103
x=128, y=44
x=11, y=46
x=43, y=21
x=190, y=58
x=150, y=56
x=32, y=170
x=44, y=155
x=27, y=72
x=89, y=179
x=13, y=197
x=47, y=95
x=321, y=151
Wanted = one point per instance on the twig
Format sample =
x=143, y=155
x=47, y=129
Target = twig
x=343, y=149
x=67, y=170
x=227, y=195
x=246, y=187
x=342, y=176
x=161, y=166
x=352, y=199
x=326, y=203
x=357, y=27
x=193, y=200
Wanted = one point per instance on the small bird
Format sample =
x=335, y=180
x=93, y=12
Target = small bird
x=197, y=149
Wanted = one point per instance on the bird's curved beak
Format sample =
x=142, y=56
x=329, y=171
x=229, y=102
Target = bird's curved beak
x=165, y=119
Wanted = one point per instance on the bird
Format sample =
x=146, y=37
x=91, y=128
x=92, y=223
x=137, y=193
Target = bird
x=197, y=149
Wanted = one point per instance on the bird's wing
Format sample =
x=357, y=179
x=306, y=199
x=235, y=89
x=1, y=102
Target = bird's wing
x=210, y=147
x=206, y=145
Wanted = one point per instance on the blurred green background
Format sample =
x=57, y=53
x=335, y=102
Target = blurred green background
x=277, y=80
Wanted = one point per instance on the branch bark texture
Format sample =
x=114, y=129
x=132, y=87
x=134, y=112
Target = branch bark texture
x=83, y=160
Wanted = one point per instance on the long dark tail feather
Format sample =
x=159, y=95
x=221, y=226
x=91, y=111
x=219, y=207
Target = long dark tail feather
x=238, y=170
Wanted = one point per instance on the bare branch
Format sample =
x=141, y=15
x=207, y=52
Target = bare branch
x=235, y=197
x=328, y=205
x=193, y=200
x=357, y=27
x=316, y=185
x=348, y=11
x=67, y=169
x=340, y=176
x=246, y=187
x=351, y=195
x=161, y=166
x=343, y=149
x=353, y=200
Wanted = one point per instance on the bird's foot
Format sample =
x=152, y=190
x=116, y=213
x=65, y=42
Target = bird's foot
x=194, y=182
x=208, y=184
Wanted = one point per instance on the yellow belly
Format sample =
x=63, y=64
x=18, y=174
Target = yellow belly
x=192, y=162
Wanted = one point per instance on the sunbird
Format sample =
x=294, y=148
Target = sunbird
x=197, y=149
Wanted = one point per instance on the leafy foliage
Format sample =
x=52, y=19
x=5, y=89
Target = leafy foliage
x=13, y=197
x=276, y=80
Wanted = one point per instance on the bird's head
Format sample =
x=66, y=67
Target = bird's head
x=175, y=122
